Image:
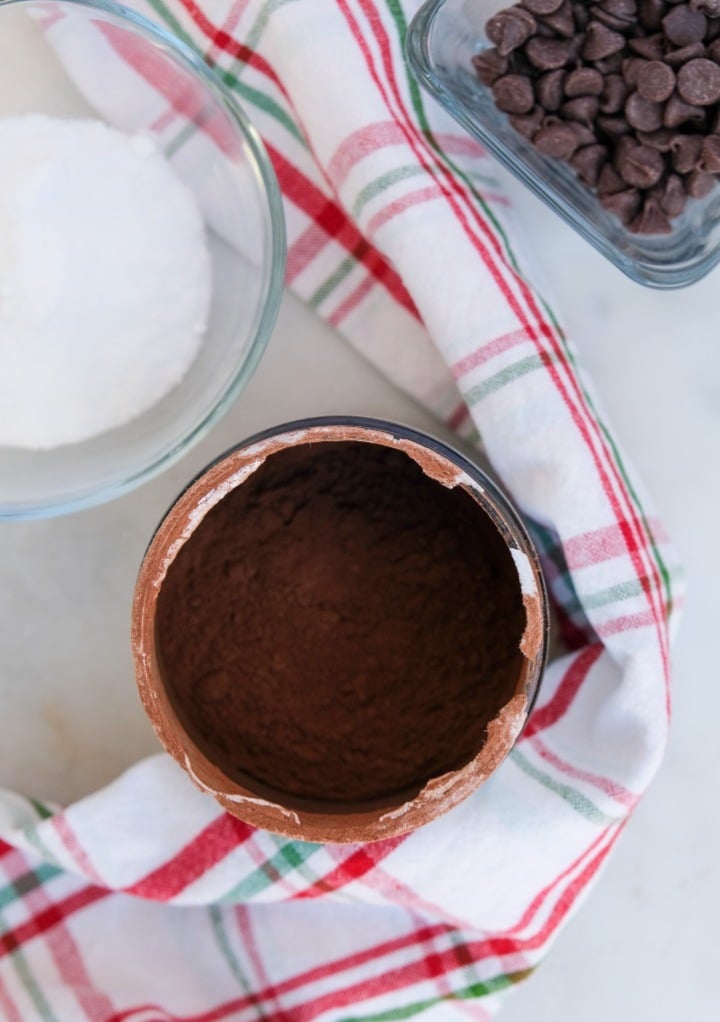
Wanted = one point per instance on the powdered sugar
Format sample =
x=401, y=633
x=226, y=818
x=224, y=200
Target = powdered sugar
x=105, y=279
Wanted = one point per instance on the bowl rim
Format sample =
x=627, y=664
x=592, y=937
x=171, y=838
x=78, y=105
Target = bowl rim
x=91, y=495
x=654, y=275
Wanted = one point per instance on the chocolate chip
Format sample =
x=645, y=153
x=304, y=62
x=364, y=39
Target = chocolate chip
x=561, y=21
x=584, y=134
x=601, y=41
x=650, y=220
x=676, y=58
x=677, y=112
x=661, y=140
x=698, y=82
x=542, y=6
x=713, y=51
x=550, y=89
x=489, y=66
x=614, y=127
x=547, y=54
x=686, y=152
x=528, y=124
x=583, y=81
x=583, y=109
x=671, y=195
x=609, y=20
x=624, y=205
x=631, y=68
x=609, y=182
x=588, y=162
x=643, y=114
x=638, y=165
x=651, y=13
x=683, y=26
x=699, y=184
x=655, y=81
x=514, y=94
x=509, y=29
x=648, y=46
x=625, y=10
x=613, y=95
x=709, y=7
x=556, y=139
x=709, y=162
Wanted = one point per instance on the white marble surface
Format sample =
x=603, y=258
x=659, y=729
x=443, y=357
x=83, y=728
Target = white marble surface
x=644, y=945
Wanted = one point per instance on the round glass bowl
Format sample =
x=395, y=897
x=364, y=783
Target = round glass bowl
x=442, y=40
x=75, y=58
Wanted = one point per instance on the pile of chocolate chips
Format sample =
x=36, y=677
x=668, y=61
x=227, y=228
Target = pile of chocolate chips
x=626, y=91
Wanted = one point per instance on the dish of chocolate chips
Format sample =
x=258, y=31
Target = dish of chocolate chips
x=627, y=92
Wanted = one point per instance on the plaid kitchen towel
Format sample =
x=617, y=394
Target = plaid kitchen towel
x=146, y=903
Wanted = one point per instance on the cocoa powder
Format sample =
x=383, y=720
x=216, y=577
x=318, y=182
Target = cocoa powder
x=340, y=628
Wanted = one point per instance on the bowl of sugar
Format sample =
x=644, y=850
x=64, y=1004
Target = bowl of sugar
x=142, y=253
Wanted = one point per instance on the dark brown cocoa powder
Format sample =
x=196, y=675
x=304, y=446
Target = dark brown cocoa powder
x=340, y=628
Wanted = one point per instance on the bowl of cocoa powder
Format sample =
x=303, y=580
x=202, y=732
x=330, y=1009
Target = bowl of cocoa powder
x=608, y=111
x=339, y=629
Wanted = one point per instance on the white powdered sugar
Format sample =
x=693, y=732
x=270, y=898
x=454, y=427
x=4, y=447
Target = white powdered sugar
x=105, y=279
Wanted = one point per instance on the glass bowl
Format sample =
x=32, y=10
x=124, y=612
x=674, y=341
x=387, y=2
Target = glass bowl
x=442, y=39
x=54, y=60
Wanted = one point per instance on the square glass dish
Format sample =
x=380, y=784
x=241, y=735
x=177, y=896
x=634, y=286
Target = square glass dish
x=442, y=40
